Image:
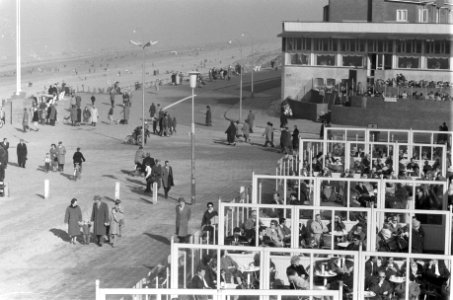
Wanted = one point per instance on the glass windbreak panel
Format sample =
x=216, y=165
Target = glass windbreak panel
x=356, y=232
x=336, y=134
x=300, y=192
x=379, y=156
x=280, y=275
x=399, y=136
x=333, y=193
x=408, y=62
x=352, y=60
x=239, y=226
x=360, y=160
x=275, y=227
x=311, y=152
x=398, y=195
x=191, y=262
x=299, y=59
x=429, y=197
x=422, y=137
x=240, y=269
x=393, y=234
x=271, y=191
x=428, y=233
x=334, y=160
x=438, y=63
x=306, y=240
x=325, y=60
x=379, y=136
x=356, y=135
x=363, y=193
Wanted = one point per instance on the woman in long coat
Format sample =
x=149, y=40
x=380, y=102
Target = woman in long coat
x=52, y=115
x=231, y=133
x=53, y=156
x=73, y=217
x=208, y=116
x=182, y=220
x=25, y=120
x=100, y=218
x=116, y=219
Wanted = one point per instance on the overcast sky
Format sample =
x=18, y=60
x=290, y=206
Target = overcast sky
x=73, y=25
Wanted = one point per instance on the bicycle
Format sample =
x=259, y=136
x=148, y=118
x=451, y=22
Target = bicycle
x=77, y=171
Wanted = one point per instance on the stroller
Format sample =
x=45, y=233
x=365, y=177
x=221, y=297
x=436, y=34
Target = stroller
x=136, y=137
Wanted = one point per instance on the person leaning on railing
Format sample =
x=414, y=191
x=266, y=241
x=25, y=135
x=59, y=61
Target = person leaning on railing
x=209, y=221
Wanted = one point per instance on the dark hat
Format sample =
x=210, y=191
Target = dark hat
x=117, y=201
x=60, y=142
x=181, y=199
x=73, y=200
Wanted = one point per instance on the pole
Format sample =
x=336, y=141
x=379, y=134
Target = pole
x=192, y=140
x=240, y=95
x=18, y=56
x=251, y=83
x=143, y=99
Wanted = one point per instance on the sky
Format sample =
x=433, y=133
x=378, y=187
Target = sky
x=76, y=26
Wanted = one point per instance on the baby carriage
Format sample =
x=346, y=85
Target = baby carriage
x=136, y=137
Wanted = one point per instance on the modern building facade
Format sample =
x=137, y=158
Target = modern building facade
x=376, y=38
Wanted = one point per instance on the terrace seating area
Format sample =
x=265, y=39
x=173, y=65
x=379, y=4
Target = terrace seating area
x=329, y=237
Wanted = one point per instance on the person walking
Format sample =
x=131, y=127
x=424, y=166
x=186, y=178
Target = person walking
x=61, y=154
x=126, y=112
x=251, y=120
x=5, y=145
x=52, y=114
x=116, y=220
x=231, y=134
x=152, y=110
x=94, y=115
x=208, y=116
x=73, y=217
x=183, y=213
x=295, y=137
x=167, y=178
x=25, y=120
x=21, y=153
x=100, y=218
x=93, y=99
x=269, y=134
x=156, y=174
x=78, y=158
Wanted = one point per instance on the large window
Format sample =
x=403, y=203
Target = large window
x=351, y=45
x=299, y=59
x=401, y=15
x=380, y=46
x=352, y=60
x=297, y=44
x=325, y=60
x=438, y=63
x=423, y=15
x=408, y=62
x=437, y=47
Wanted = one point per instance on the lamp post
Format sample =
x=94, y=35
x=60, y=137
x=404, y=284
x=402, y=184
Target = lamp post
x=18, y=55
x=241, y=68
x=143, y=46
x=252, y=71
x=193, y=84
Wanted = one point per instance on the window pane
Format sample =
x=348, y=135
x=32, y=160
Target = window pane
x=325, y=60
x=438, y=63
x=298, y=44
x=408, y=62
x=352, y=60
x=299, y=59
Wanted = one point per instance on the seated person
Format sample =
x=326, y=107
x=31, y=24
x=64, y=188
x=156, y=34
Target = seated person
x=237, y=238
x=412, y=167
x=250, y=227
x=208, y=221
x=274, y=234
x=338, y=225
x=232, y=273
x=317, y=229
x=316, y=165
x=296, y=264
x=344, y=269
x=418, y=236
x=296, y=282
x=366, y=192
x=381, y=287
x=285, y=231
x=390, y=268
x=357, y=230
x=293, y=200
x=372, y=266
x=436, y=275
x=198, y=281
x=355, y=244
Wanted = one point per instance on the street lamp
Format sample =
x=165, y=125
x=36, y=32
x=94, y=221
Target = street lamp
x=18, y=55
x=143, y=46
x=251, y=79
x=240, y=80
x=193, y=84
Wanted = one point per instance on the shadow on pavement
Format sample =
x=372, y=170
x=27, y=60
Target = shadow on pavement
x=40, y=195
x=136, y=181
x=68, y=176
x=158, y=238
x=109, y=176
x=63, y=235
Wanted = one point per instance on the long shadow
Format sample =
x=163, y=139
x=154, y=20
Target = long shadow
x=127, y=172
x=13, y=164
x=158, y=238
x=135, y=181
x=68, y=176
x=63, y=235
x=107, y=103
x=40, y=195
x=201, y=124
x=20, y=129
x=137, y=190
x=109, y=199
x=221, y=142
x=147, y=201
x=41, y=169
x=109, y=176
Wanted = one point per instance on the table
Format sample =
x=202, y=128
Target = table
x=369, y=294
x=397, y=280
x=249, y=271
x=343, y=244
x=325, y=275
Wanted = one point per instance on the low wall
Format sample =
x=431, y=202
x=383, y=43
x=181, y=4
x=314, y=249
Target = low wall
x=306, y=110
x=403, y=114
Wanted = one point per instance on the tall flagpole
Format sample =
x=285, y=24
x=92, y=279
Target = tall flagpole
x=18, y=63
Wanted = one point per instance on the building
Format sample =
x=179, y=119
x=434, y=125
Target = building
x=361, y=41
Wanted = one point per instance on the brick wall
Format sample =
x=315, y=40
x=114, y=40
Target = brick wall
x=350, y=10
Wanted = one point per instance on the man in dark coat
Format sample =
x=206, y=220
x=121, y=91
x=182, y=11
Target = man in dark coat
x=285, y=140
x=78, y=158
x=183, y=214
x=231, y=134
x=167, y=178
x=100, y=219
x=21, y=153
x=5, y=145
x=295, y=138
x=156, y=174
x=152, y=110
x=208, y=116
x=251, y=120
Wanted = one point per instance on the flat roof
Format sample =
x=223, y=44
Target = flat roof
x=359, y=29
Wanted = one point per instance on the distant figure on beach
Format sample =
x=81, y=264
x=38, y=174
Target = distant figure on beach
x=52, y=114
x=183, y=214
x=21, y=153
x=110, y=116
x=126, y=112
x=295, y=136
x=251, y=120
x=25, y=120
x=208, y=116
x=231, y=134
x=269, y=134
x=152, y=110
x=93, y=99
x=94, y=115
x=73, y=217
x=100, y=218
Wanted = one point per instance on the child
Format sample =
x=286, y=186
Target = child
x=110, y=115
x=47, y=162
x=86, y=231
